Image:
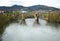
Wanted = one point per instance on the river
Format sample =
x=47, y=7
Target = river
x=31, y=32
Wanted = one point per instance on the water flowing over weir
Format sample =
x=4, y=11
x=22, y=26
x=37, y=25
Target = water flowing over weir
x=42, y=32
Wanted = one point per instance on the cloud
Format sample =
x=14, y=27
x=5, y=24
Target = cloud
x=9, y=2
x=5, y=3
x=53, y=3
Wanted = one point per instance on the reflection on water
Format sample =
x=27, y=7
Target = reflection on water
x=31, y=32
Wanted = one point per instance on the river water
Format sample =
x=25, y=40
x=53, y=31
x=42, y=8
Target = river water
x=31, y=32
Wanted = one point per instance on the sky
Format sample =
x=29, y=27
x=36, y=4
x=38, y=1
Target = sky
x=26, y=3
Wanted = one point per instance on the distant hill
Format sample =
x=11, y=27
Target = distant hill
x=42, y=7
x=15, y=7
x=31, y=8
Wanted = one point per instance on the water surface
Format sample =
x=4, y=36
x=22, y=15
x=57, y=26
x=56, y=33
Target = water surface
x=31, y=32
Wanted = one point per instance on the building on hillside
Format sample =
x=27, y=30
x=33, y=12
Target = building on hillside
x=2, y=11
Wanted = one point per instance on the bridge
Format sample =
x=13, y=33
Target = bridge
x=24, y=16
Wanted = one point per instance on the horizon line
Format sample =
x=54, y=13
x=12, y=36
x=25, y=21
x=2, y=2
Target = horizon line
x=28, y=6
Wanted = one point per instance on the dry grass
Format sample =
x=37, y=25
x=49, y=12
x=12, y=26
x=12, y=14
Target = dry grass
x=7, y=18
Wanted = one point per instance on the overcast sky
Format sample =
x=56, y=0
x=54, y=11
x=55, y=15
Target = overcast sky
x=53, y=3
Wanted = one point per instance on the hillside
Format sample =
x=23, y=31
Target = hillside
x=31, y=8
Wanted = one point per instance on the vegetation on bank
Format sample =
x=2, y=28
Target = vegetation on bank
x=9, y=17
x=4, y=20
x=53, y=17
